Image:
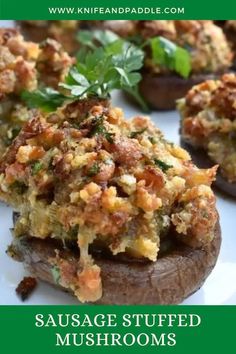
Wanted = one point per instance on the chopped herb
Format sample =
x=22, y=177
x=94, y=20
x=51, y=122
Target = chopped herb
x=152, y=140
x=93, y=170
x=98, y=128
x=19, y=187
x=36, y=167
x=56, y=274
x=109, y=137
x=136, y=133
x=162, y=165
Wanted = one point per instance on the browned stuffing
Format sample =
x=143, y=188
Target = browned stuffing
x=17, y=63
x=25, y=66
x=85, y=174
x=26, y=287
x=63, y=32
x=209, y=121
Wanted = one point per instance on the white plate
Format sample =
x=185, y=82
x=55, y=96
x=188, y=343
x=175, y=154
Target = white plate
x=220, y=287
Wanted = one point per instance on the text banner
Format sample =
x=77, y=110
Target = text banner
x=117, y=9
x=113, y=329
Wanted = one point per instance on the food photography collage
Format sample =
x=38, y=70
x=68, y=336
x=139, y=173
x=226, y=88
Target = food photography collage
x=118, y=162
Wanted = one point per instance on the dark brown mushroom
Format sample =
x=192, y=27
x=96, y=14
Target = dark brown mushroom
x=178, y=272
x=161, y=91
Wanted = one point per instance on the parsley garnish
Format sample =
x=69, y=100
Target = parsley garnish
x=109, y=137
x=36, y=167
x=136, y=133
x=93, y=170
x=107, y=62
x=47, y=99
x=162, y=165
x=89, y=38
x=98, y=128
x=113, y=64
x=166, y=53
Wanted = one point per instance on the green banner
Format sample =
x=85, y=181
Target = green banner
x=117, y=9
x=113, y=329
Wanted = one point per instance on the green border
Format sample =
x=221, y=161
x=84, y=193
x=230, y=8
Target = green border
x=38, y=10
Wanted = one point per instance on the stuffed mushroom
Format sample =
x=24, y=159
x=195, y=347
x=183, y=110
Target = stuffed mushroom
x=209, y=56
x=25, y=66
x=107, y=208
x=62, y=31
x=208, y=127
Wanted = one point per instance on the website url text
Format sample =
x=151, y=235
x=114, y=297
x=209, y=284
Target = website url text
x=115, y=10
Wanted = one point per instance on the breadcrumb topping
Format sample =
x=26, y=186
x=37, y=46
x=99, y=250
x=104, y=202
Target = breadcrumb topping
x=209, y=121
x=25, y=65
x=85, y=176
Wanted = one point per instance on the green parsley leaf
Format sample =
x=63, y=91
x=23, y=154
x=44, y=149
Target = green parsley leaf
x=47, y=99
x=134, y=92
x=162, y=165
x=167, y=54
x=87, y=38
x=77, y=77
x=104, y=63
x=112, y=65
